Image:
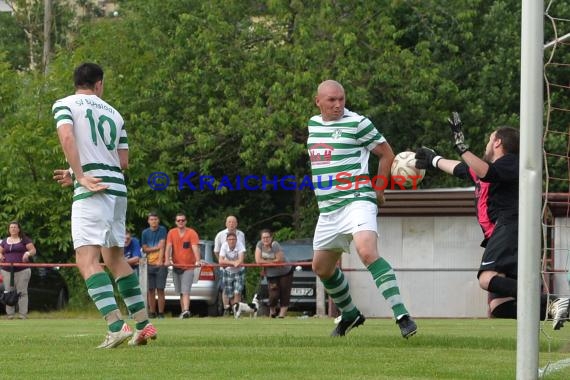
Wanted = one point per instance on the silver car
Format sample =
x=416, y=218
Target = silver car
x=206, y=292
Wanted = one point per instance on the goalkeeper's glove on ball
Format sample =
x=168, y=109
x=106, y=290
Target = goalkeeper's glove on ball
x=426, y=158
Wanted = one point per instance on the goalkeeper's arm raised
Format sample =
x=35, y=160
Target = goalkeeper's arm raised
x=427, y=158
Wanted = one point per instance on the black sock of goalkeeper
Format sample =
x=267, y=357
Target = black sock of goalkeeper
x=503, y=286
x=543, y=304
x=509, y=309
x=505, y=310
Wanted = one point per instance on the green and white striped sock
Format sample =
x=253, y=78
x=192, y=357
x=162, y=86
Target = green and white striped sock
x=130, y=290
x=100, y=290
x=385, y=280
x=338, y=290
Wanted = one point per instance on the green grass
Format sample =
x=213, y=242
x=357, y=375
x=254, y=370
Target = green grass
x=61, y=345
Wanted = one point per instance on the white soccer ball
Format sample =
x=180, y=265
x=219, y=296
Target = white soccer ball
x=298, y=268
x=404, y=171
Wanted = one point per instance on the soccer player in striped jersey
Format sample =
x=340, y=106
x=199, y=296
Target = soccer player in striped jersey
x=94, y=141
x=339, y=144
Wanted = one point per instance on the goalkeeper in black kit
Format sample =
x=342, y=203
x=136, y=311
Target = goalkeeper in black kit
x=496, y=180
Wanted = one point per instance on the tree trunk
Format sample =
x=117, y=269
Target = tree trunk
x=47, y=36
x=30, y=37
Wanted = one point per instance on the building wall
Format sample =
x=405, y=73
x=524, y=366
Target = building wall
x=435, y=259
x=561, y=253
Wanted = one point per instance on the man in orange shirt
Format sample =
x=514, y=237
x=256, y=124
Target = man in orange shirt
x=183, y=252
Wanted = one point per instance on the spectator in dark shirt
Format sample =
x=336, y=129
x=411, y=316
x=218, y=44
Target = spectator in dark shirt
x=132, y=251
x=17, y=248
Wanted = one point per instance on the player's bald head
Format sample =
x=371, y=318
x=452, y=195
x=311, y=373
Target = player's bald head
x=327, y=85
x=330, y=99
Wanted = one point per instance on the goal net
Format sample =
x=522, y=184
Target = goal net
x=556, y=161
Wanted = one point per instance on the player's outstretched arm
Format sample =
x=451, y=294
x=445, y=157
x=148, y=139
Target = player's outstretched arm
x=479, y=166
x=427, y=158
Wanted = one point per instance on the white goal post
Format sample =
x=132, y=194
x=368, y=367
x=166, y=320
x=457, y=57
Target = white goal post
x=530, y=187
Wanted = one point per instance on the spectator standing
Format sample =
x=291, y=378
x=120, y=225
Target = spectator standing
x=231, y=226
x=132, y=251
x=17, y=248
x=95, y=144
x=279, y=278
x=183, y=252
x=153, y=240
x=232, y=255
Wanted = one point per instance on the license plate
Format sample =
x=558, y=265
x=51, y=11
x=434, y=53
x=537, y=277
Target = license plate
x=299, y=292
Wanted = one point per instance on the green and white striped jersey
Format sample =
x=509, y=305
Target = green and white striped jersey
x=99, y=133
x=339, y=152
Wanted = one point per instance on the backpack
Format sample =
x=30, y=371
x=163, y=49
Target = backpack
x=10, y=297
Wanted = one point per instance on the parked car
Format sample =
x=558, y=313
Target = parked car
x=206, y=292
x=47, y=289
x=304, y=288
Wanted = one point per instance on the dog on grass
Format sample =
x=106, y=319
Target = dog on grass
x=247, y=308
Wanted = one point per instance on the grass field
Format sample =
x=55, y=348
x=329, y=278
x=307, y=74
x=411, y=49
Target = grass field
x=59, y=345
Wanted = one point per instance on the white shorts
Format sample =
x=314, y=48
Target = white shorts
x=99, y=220
x=334, y=230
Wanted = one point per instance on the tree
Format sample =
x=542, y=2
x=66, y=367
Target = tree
x=31, y=29
x=12, y=41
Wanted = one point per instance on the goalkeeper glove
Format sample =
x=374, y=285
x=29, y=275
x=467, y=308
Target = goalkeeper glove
x=457, y=133
x=426, y=158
